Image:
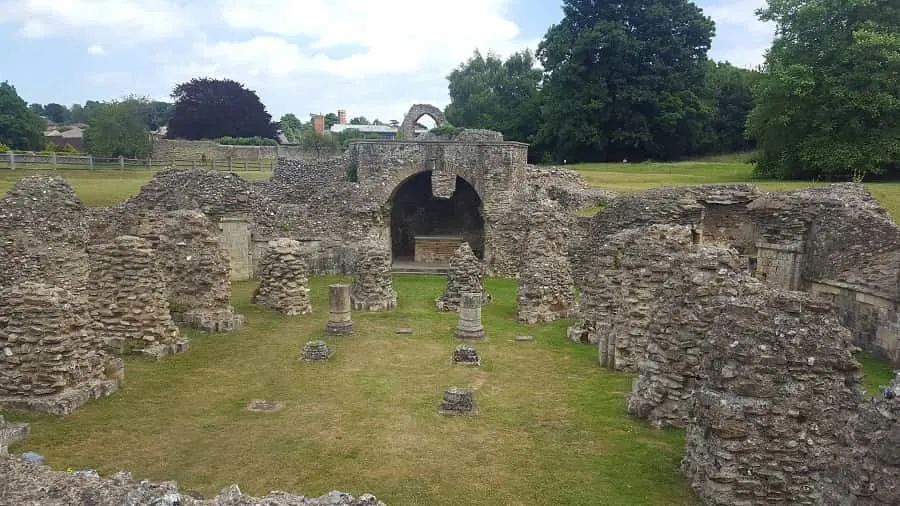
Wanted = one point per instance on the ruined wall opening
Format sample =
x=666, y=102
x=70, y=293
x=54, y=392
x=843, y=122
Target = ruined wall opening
x=435, y=225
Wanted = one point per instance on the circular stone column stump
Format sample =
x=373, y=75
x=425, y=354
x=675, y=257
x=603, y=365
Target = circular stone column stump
x=458, y=401
x=464, y=354
x=339, y=322
x=469, y=326
x=316, y=350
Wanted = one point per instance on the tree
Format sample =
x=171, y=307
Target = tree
x=829, y=104
x=212, y=108
x=57, y=113
x=37, y=109
x=623, y=80
x=116, y=129
x=377, y=122
x=292, y=127
x=731, y=100
x=359, y=120
x=20, y=127
x=318, y=143
x=487, y=92
x=331, y=119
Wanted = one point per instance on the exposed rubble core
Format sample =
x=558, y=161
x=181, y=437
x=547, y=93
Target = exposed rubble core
x=779, y=386
x=50, y=358
x=465, y=275
x=546, y=288
x=283, y=285
x=373, y=286
x=128, y=298
x=699, y=288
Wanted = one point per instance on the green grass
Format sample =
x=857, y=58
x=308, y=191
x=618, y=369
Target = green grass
x=628, y=178
x=877, y=372
x=552, y=427
x=100, y=188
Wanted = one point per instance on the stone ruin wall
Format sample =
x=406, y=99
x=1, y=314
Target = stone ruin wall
x=620, y=293
x=283, y=284
x=546, y=291
x=31, y=484
x=129, y=299
x=373, y=286
x=464, y=275
x=50, y=358
x=198, y=151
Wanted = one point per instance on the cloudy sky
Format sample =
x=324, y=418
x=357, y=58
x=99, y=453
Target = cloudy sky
x=372, y=57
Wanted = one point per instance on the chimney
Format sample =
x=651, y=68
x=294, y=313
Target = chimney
x=342, y=117
x=318, y=122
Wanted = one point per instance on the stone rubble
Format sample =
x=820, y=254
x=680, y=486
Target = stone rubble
x=316, y=350
x=283, y=284
x=458, y=401
x=465, y=275
x=11, y=433
x=373, y=286
x=466, y=355
x=32, y=485
x=129, y=304
x=701, y=285
x=50, y=358
x=546, y=287
x=779, y=385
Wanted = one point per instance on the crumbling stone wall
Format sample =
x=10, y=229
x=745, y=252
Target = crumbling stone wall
x=620, y=293
x=295, y=175
x=128, y=298
x=780, y=384
x=701, y=285
x=566, y=187
x=198, y=151
x=408, y=127
x=373, y=287
x=50, y=358
x=867, y=469
x=283, y=285
x=546, y=288
x=43, y=234
x=30, y=484
x=464, y=275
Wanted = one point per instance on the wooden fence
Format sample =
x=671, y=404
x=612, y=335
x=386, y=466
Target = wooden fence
x=65, y=161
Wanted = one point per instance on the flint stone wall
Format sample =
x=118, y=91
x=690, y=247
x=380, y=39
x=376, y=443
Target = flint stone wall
x=546, y=290
x=464, y=275
x=43, y=234
x=566, y=187
x=128, y=298
x=198, y=151
x=50, y=358
x=780, y=384
x=373, y=286
x=283, y=284
x=621, y=292
x=702, y=284
x=31, y=484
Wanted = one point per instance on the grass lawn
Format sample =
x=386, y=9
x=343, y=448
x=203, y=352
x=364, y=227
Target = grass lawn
x=552, y=427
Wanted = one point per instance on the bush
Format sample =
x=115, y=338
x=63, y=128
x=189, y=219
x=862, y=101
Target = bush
x=447, y=131
x=246, y=141
x=69, y=149
x=3, y=148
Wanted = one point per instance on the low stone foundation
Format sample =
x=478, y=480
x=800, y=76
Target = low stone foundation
x=458, y=401
x=373, y=287
x=465, y=275
x=283, y=283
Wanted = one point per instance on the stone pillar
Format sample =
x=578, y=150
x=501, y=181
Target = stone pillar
x=339, y=322
x=469, y=326
x=458, y=401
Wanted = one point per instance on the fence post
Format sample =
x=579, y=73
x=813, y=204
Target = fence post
x=53, y=160
x=245, y=165
x=213, y=164
x=90, y=162
x=150, y=162
x=12, y=160
x=121, y=162
x=229, y=164
x=193, y=164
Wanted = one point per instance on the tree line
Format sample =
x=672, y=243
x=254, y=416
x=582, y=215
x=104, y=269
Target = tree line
x=633, y=81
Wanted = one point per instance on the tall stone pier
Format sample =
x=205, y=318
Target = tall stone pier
x=339, y=322
x=469, y=326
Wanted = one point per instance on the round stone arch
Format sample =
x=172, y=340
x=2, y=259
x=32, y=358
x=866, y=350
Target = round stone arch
x=408, y=127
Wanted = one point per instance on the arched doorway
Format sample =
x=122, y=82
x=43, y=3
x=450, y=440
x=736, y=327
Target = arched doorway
x=416, y=112
x=419, y=218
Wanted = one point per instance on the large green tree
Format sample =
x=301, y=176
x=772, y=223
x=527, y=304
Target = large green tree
x=20, y=127
x=829, y=105
x=488, y=92
x=117, y=129
x=730, y=91
x=57, y=113
x=624, y=80
x=292, y=127
x=212, y=108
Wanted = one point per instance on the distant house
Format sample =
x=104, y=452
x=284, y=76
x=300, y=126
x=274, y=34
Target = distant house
x=60, y=136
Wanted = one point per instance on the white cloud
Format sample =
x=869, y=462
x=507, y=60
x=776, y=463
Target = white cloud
x=741, y=38
x=133, y=18
x=96, y=50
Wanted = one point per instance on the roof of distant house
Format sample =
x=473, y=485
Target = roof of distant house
x=73, y=133
x=52, y=133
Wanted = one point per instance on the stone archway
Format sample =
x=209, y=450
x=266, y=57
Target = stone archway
x=408, y=127
x=419, y=220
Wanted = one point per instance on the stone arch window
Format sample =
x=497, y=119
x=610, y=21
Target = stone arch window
x=408, y=127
